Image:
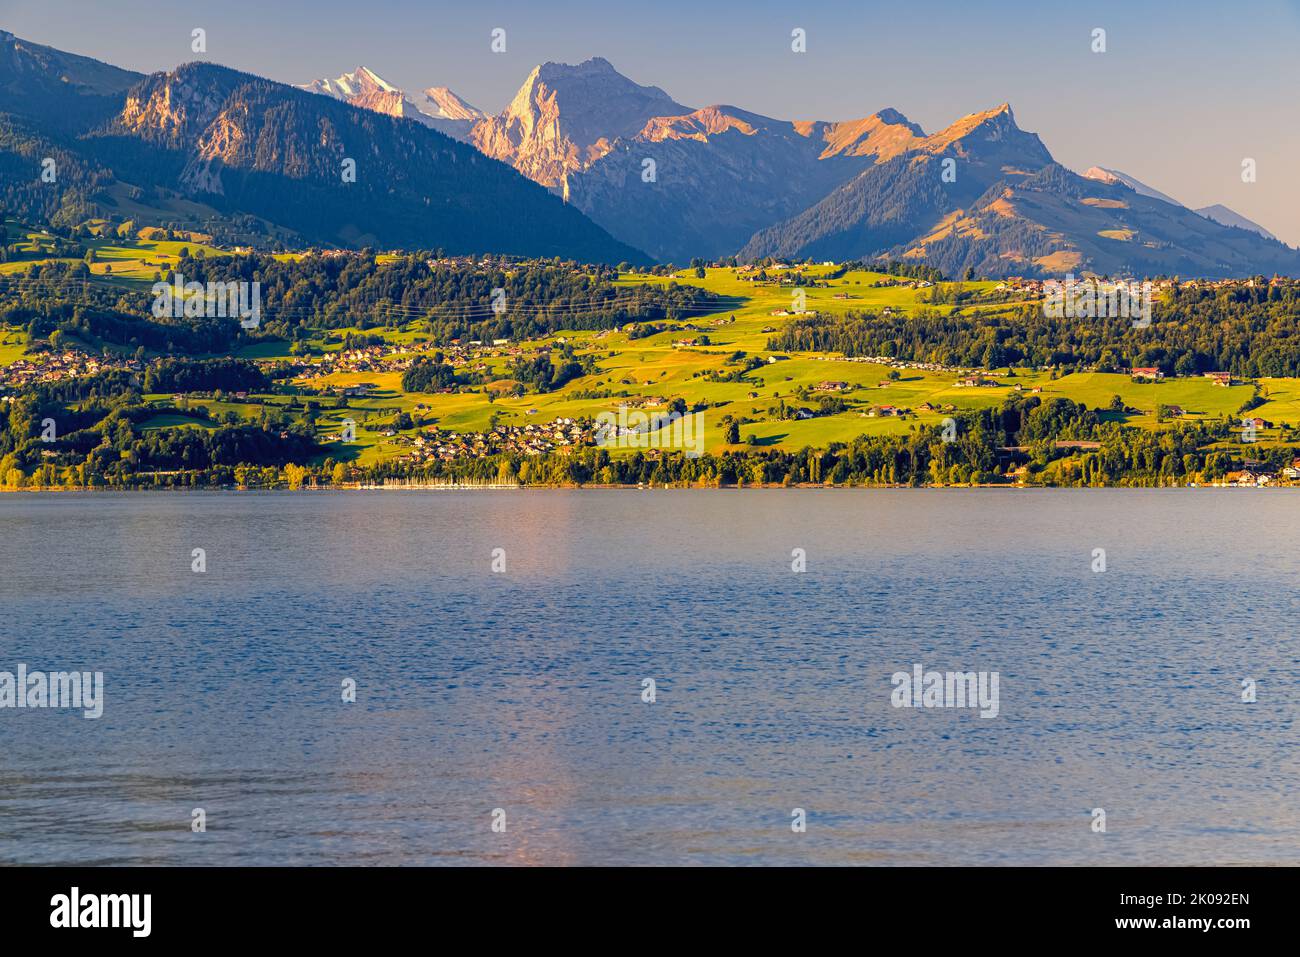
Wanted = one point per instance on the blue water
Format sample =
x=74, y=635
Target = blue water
x=521, y=690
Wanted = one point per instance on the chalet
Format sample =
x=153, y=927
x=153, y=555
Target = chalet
x=1250, y=477
x=1148, y=372
x=1220, y=378
x=1291, y=472
x=832, y=386
x=1260, y=423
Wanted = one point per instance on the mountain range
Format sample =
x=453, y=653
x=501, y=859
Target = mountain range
x=681, y=182
x=583, y=163
x=215, y=150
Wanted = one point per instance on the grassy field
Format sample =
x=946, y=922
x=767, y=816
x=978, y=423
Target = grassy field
x=653, y=368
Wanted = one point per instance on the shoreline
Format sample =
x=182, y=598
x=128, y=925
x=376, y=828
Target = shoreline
x=426, y=487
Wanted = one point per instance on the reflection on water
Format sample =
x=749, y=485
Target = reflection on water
x=522, y=691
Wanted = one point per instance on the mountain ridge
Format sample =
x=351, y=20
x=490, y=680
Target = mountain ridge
x=206, y=147
x=709, y=182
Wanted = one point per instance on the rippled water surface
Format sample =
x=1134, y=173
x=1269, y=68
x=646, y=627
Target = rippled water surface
x=521, y=690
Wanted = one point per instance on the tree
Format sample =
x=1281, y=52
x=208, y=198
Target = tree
x=295, y=474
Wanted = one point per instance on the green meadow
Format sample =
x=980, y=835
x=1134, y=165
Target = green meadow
x=653, y=368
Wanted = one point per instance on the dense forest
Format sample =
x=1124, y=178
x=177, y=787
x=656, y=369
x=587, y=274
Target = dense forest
x=1248, y=331
x=501, y=301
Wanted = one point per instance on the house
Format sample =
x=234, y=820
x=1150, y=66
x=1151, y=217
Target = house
x=1259, y=423
x=803, y=414
x=1291, y=472
x=1220, y=378
x=1148, y=372
x=1250, y=477
x=1175, y=410
x=832, y=386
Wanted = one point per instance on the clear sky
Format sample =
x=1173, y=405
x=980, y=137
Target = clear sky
x=1184, y=92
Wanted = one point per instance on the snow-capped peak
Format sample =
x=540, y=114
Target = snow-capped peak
x=360, y=81
x=441, y=102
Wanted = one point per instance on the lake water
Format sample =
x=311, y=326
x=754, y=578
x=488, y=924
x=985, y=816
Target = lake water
x=522, y=690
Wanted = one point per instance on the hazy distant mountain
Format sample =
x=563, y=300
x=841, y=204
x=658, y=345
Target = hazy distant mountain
x=1114, y=176
x=1217, y=212
x=1222, y=214
x=437, y=107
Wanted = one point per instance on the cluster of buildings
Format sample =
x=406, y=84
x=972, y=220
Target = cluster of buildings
x=535, y=438
x=366, y=359
x=1035, y=287
x=53, y=367
x=893, y=363
x=1256, y=474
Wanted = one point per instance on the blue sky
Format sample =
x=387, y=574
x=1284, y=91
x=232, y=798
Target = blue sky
x=1184, y=92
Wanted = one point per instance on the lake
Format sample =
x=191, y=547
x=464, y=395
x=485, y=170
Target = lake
x=509, y=687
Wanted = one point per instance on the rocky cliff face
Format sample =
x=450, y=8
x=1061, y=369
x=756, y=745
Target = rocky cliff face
x=564, y=118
